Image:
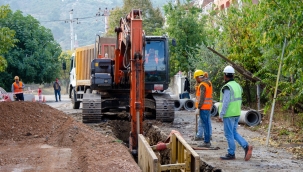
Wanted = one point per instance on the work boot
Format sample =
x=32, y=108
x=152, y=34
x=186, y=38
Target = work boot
x=206, y=145
x=248, y=152
x=228, y=157
x=198, y=138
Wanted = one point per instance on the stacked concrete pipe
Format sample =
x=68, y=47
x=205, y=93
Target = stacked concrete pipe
x=248, y=117
x=189, y=105
x=178, y=104
x=214, y=111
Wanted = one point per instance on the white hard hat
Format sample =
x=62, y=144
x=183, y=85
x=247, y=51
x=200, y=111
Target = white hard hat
x=229, y=69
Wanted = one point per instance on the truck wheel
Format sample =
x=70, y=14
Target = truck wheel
x=70, y=92
x=88, y=91
x=76, y=104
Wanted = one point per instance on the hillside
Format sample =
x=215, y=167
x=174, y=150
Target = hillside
x=55, y=15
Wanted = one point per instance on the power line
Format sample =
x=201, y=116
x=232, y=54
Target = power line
x=98, y=14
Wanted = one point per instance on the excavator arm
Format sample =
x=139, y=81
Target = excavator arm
x=129, y=55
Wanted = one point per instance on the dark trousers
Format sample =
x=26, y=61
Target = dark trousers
x=57, y=93
x=19, y=97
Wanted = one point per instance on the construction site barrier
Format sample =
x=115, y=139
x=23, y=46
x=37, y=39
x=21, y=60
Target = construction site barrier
x=182, y=156
x=28, y=95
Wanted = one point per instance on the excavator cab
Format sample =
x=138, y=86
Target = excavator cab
x=156, y=63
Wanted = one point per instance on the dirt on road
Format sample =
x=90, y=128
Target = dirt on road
x=37, y=137
x=51, y=137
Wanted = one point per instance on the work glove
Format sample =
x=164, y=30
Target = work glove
x=197, y=112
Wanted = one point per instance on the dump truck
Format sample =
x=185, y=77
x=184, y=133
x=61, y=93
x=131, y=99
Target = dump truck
x=80, y=68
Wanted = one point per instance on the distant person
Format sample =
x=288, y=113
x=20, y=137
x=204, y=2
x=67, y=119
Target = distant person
x=57, y=89
x=204, y=103
x=230, y=110
x=186, y=85
x=17, y=89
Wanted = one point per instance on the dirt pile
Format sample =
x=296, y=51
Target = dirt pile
x=37, y=137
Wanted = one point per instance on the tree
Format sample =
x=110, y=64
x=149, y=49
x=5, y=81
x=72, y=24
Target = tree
x=152, y=17
x=186, y=24
x=35, y=57
x=7, y=39
x=65, y=58
x=253, y=37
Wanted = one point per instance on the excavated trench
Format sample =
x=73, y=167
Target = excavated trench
x=121, y=129
x=153, y=134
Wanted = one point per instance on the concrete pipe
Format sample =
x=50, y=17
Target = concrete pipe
x=214, y=111
x=217, y=105
x=250, y=117
x=189, y=105
x=179, y=104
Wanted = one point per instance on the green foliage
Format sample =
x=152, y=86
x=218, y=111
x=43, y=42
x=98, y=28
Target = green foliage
x=65, y=57
x=284, y=131
x=152, y=17
x=186, y=25
x=252, y=36
x=35, y=56
x=7, y=39
x=64, y=74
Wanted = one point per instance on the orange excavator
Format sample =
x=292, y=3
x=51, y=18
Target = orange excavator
x=133, y=81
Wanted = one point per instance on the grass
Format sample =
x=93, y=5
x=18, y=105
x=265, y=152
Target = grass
x=286, y=130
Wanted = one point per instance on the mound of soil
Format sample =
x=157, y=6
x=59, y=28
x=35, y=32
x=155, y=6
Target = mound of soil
x=37, y=137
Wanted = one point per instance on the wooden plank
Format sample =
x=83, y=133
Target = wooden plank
x=194, y=155
x=147, y=158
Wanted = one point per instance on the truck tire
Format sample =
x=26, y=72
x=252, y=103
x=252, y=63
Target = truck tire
x=88, y=91
x=76, y=104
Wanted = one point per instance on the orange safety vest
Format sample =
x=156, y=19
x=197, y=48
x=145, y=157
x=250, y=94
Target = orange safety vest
x=16, y=87
x=208, y=101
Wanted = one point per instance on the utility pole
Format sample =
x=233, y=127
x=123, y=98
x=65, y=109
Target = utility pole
x=106, y=14
x=71, y=29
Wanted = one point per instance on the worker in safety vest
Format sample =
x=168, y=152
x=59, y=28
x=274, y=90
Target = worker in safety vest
x=230, y=110
x=17, y=89
x=200, y=128
x=203, y=104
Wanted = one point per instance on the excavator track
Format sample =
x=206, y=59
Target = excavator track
x=161, y=104
x=91, y=110
x=165, y=110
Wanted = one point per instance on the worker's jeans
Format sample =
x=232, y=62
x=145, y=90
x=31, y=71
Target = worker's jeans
x=57, y=92
x=231, y=134
x=205, y=118
x=200, y=132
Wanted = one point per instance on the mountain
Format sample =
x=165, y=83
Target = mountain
x=55, y=15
